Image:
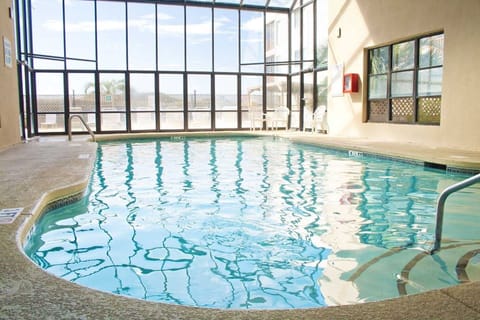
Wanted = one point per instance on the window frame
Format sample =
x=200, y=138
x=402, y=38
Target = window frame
x=400, y=107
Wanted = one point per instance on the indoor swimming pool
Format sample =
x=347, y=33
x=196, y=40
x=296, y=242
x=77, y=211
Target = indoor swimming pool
x=257, y=223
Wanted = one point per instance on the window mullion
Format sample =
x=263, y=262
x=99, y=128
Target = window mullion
x=415, y=80
x=389, y=82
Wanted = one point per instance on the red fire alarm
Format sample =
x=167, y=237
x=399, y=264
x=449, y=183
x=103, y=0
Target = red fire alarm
x=350, y=82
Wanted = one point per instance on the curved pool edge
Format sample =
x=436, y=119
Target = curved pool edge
x=56, y=197
x=28, y=292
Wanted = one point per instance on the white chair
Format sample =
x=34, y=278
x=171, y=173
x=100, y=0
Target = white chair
x=318, y=123
x=50, y=121
x=256, y=115
x=279, y=118
x=91, y=120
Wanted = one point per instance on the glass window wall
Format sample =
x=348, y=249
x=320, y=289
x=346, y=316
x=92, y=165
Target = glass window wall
x=145, y=66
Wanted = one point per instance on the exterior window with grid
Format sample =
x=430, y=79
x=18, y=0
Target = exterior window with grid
x=405, y=81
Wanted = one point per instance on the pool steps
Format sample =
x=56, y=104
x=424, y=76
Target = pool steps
x=404, y=271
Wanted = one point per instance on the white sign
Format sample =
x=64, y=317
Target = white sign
x=7, y=51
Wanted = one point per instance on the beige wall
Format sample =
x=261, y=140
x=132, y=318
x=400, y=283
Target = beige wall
x=9, y=105
x=369, y=23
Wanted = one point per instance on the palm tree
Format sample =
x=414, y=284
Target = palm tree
x=109, y=88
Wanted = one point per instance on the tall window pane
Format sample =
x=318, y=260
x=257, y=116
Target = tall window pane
x=111, y=35
x=431, y=60
x=322, y=33
x=379, y=65
x=276, y=92
x=431, y=51
x=81, y=87
x=322, y=88
x=80, y=29
x=199, y=39
x=430, y=82
x=141, y=36
x=112, y=92
x=225, y=101
x=171, y=92
x=199, y=92
x=276, y=100
x=379, y=60
x=50, y=102
x=171, y=102
x=308, y=99
x=142, y=101
x=307, y=37
x=295, y=47
x=171, y=34
x=226, y=92
x=296, y=96
x=142, y=92
x=226, y=40
x=252, y=41
x=47, y=28
x=403, y=56
x=276, y=45
x=377, y=87
x=252, y=105
x=199, y=101
x=112, y=101
x=402, y=84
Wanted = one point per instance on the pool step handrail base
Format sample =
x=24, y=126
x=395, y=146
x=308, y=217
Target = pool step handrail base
x=83, y=122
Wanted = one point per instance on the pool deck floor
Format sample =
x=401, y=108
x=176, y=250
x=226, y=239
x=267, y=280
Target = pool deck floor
x=43, y=170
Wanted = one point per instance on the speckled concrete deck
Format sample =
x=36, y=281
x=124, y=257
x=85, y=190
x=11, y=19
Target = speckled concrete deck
x=36, y=173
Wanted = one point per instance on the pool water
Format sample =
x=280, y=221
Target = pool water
x=255, y=223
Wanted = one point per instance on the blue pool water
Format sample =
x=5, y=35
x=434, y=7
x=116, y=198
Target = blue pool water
x=249, y=223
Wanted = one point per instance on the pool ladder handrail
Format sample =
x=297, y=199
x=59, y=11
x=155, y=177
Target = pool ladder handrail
x=84, y=123
x=441, y=206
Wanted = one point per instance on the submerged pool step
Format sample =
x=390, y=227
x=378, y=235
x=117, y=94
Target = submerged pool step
x=405, y=271
x=455, y=263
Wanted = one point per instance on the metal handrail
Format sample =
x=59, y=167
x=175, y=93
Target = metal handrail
x=84, y=123
x=441, y=206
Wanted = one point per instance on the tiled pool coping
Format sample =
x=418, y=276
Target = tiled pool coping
x=36, y=174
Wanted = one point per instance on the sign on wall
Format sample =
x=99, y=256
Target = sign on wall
x=7, y=51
